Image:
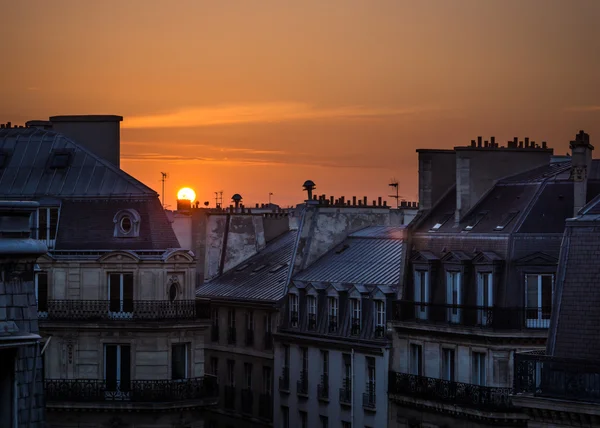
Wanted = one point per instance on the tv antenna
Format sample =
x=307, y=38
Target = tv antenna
x=394, y=184
x=163, y=179
x=219, y=199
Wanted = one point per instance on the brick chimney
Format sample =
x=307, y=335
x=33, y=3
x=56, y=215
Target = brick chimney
x=437, y=174
x=581, y=161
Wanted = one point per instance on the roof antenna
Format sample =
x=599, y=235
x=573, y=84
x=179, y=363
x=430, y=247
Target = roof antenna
x=164, y=178
x=394, y=184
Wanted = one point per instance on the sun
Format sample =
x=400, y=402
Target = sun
x=187, y=194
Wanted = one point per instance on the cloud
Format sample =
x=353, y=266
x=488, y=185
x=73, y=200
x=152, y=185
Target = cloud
x=583, y=108
x=259, y=113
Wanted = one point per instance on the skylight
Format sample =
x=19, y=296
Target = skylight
x=277, y=268
x=259, y=268
x=506, y=220
x=480, y=216
x=242, y=267
x=442, y=221
x=60, y=160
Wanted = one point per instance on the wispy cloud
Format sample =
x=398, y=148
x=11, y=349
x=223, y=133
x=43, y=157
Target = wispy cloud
x=259, y=113
x=214, y=148
x=584, y=108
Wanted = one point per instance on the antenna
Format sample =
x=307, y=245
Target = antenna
x=394, y=184
x=219, y=199
x=270, y=194
x=164, y=178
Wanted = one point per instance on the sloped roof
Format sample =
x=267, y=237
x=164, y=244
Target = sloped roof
x=260, y=278
x=358, y=260
x=380, y=232
x=26, y=172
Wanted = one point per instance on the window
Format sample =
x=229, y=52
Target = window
x=311, y=303
x=286, y=356
x=173, y=290
x=506, y=220
x=324, y=421
x=421, y=294
x=248, y=375
x=332, y=309
x=126, y=224
x=379, y=318
x=304, y=354
x=214, y=366
x=268, y=323
x=117, y=368
x=355, y=307
x=441, y=222
x=453, y=298
x=485, y=297
x=478, y=367
x=539, y=289
x=324, y=363
x=231, y=333
x=347, y=361
x=8, y=399
x=249, y=328
x=448, y=364
x=346, y=424
x=41, y=291
x=294, y=310
x=475, y=221
x=370, y=363
x=285, y=417
x=60, y=160
x=268, y=327
x=120, y=294
x=267, y=380
x=47, y=224
x=416, y=360
x=303, y=419
x=231, y=372
x=179, y=361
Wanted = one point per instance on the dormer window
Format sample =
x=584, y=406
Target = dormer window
x=379, y=318
x=293, y=309
x=127, y=224
x=442, y=221
x=311, y=305
x=332, y=311
x=355, y=322
x=47, y=225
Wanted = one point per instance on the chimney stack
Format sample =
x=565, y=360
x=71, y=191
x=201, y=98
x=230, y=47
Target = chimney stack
x=237, y=198
x=309, y=186
x=581, y=161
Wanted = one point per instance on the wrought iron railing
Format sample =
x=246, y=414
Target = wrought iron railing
x=445, y=391
x=566, y=379
x=229, y=397
x=214, y=333
x=323, y=388
x=249, y=337
x=302, y=384
x=369, y=396
x=144, y=310
x=268, y=340
x=294, y=318
x=265, y=406
x=231, y=335
x=497, y=318
x=284, y=380
x=247, y=401
x=355, y=326
x=151, y=391
x=346, y=392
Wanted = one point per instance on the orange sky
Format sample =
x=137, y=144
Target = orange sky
x=253, y=97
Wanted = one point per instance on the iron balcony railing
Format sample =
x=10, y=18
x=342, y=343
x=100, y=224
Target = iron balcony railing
x=323, y=388
x=268, y=340
x=302, y=384
x=265, y=406
x=294, y=318
x=247, y=401
x=150, y=391
x=214, y=333
x=346, y=392
x=355, y=326
x=284, y=380
x=249, y=337
x=551, y=377
x=135, y=310
x=229, y=397
x=446, y=391
x=332, y=323
x=369, y=396
x=496, y=318
x=231, y=335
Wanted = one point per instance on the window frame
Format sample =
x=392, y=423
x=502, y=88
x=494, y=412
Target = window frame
x=416, y=359
x=421, y=292
x=186, y=360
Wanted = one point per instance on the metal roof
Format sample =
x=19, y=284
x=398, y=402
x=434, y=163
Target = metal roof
x=368, y=261
x=381, y=232
x=26, y=155
x=260, y=278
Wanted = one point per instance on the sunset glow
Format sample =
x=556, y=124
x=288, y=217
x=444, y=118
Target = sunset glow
x=187, y=194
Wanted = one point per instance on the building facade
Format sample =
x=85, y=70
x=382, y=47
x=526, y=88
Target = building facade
x=21, y=387
x=124, y=334
x=480, y=280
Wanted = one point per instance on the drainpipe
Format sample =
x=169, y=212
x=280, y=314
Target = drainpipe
x=352, y=393
x=32, y=390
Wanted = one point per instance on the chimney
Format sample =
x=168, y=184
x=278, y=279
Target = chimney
x=100, y=134
x=437, y=173
x=237, y=198
x=581, y=161
x=309, y=186
x=184, y=205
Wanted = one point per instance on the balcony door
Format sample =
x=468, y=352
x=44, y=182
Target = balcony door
x=421, y=294
x=179, y=361
x=485, y=297
x=539, y=289
x=453, y=297
x=41, y=293
x=120, y=295
x=117, y=371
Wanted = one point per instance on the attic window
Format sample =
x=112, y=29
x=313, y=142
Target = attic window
x=278, y=268
x=60, y=160
x=506, y=220
x=259, y=268
x=127, y=224
x=480, y=216
x=442, y=221
x=242, y=267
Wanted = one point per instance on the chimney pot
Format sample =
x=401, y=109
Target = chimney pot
x=479, y=141
x=8, y=124
x=354, y=200
x=473, y=143
x=331, y=199
x=359, y=203
x=379, y=201
x=544, y=145
x=520, y=144
x=385, y=203
x=486, y=143
x=493, y=140
x=374, y=203
x=365, y=201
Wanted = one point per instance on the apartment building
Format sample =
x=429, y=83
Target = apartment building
x=21, y=389
x=481, y=278
x=124, y=333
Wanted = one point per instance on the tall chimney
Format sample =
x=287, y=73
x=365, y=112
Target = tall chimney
x=581, y=161
x=437, y=173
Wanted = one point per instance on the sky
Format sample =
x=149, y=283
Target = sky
x=255, y=97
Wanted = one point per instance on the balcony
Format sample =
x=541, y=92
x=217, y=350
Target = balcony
x=445, y=391
x=493, y=318
x=268, y=340
x=249, y=337
x=265, y=407
x=545, y=376
x=346, y=393
x=231, y=336
x=302, y=384
x=323, y=388
x=136, y=310
x=229, y=397
x=355, y=326
x=284, y=380
x=136, y=391
x=247, y=401
x=369, y=397
x=214, y=333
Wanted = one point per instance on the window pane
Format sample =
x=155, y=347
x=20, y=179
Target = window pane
x=546, y=296
x=110, y=367
x=125, y=367
x=127, y=292
x=178, y=361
